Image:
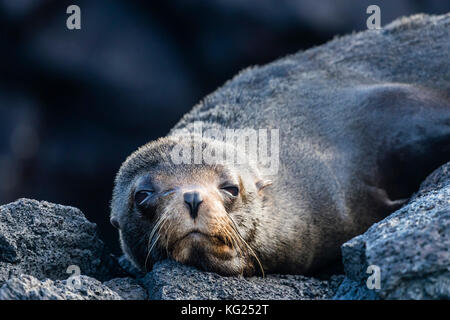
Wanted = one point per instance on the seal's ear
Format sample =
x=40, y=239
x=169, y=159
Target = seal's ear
x=262, y=184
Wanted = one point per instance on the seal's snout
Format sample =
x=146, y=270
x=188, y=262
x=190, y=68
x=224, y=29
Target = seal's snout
x=193, y=200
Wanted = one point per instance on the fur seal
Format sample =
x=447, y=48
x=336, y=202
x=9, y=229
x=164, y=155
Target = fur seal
x=362, y=120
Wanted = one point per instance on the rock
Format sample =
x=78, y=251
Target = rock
x=127, y=288
x=434, y=182
x=43, y=239
x=172, y=281
x=27, y=287
x=352, y=290
x=411, y=248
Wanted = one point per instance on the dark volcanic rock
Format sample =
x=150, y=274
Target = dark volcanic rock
x=411, y=247
x=127, y=288
x=43, y=239
x=172, y=281
x=26, y=287
x=353, y=290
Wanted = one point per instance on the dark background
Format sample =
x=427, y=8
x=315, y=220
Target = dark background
x=75, y=104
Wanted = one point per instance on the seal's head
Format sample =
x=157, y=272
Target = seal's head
x=204, y=214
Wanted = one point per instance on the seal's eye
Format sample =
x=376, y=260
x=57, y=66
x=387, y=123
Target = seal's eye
x=142, y=196
x=233, y=190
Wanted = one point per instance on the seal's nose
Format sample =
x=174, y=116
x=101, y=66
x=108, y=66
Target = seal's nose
x=193, y=200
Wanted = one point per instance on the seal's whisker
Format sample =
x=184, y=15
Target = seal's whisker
x=151, y=244
x=150, y=251
x=240, y=251
x=252, y=252
x=228, y=234
x=157, y=226
x=234, y=239
x=140, y=241
x=168, y=233
x=154, y=244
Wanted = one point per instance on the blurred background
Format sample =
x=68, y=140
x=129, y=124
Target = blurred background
x=75, y=104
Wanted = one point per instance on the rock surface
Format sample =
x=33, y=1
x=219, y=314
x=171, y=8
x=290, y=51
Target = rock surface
x=127, y=288
x=172, y=281
x=27, y=287
x=43, y=239
x=411, y=248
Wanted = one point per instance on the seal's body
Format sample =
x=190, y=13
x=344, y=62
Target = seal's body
x=362, y=120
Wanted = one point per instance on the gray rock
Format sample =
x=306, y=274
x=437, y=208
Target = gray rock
x=436, y=181
x=411, y=247
x=352, y=290
x=43, y=239
x=172, y=281
x=26, y=287
x=127, y=288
